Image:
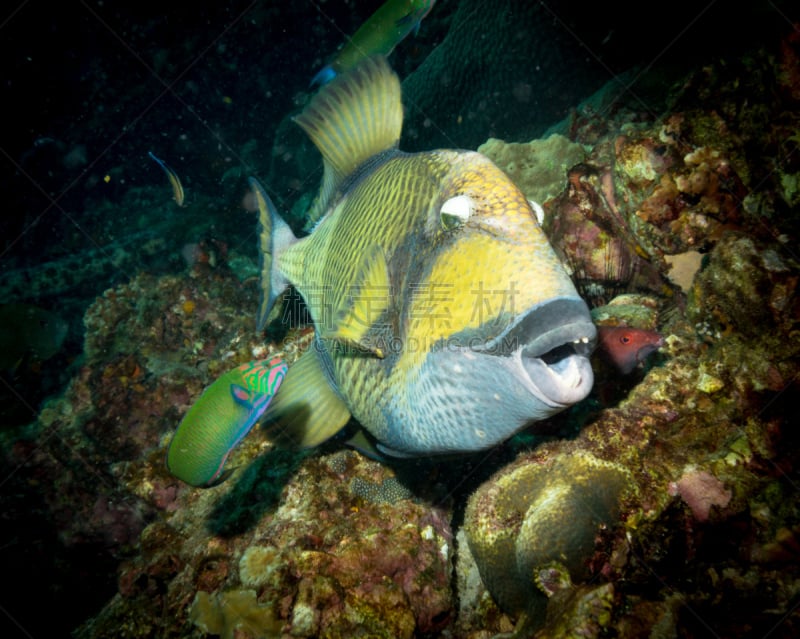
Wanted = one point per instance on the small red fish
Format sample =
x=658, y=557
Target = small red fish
x=626, y=347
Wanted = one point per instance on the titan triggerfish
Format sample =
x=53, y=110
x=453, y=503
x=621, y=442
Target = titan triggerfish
x=444, y=322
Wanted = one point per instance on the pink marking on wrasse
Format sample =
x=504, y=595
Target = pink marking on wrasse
x=264, y=377
x=626, y=347
x=277, y=371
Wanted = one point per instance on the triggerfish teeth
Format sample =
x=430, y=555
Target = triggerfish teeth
x=444, y=321
x=219, y=419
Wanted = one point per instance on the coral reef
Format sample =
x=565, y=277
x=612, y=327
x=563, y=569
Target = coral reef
x=325, y=562
x=146, y=357
x=690, y=466
x=537, y=515
x=707, y=443
x=705, y=436
x=537, y=167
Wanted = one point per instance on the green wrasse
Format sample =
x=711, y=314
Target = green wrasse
x=379, y=35
x=444, y=322
x=219, y=419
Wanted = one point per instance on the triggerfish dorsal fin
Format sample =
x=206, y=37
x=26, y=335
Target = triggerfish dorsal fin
x=355, y=117
x=308, y=410
x=364, y=306
x=274, y=237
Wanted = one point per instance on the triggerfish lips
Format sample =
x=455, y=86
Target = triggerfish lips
x=480, y=391
x=551, y=344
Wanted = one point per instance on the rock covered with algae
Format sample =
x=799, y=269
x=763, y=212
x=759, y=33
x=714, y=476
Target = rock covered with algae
x=272, y=557
x=89, y=472
x=537, y=167
x=538, y=517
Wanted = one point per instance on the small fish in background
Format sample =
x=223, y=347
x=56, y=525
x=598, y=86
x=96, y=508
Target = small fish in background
x=174, y=181
x=28, y=331
x=219, y=420
x=627, y=347
x=379, y=35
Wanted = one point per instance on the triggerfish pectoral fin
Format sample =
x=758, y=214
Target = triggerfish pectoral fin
x=220, y=418
x=308, y=410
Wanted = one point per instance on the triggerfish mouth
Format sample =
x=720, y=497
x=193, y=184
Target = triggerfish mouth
x=444, y=322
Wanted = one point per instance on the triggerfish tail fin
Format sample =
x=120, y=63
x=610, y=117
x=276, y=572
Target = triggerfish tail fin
x=379, y=35
x=219, y=419
x=274, y=236
x=174, y=181
x=352, y=119
x=308, y=410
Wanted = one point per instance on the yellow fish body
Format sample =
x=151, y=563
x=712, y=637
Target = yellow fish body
x=444, y=321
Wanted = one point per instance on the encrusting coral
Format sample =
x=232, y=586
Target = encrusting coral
x=536, y=513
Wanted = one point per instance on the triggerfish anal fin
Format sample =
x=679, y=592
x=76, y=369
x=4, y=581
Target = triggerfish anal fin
x=379, y=35
x=174, y=181
x=220, y=418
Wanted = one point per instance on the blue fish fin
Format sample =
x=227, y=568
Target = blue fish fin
x=352, y=119
x=391, y=452
x=274, y=237
x=308, y=410
x=356, y=321
x=323, y=76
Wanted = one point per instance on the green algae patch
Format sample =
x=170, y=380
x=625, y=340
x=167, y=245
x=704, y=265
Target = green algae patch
x=223, y=613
